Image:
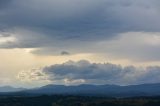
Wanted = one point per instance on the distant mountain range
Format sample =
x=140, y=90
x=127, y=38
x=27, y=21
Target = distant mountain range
x=95, y=90
x=10, y=89
x=100, y=90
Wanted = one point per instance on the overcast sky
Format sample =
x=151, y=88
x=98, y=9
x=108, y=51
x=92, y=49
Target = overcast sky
x=35, y=35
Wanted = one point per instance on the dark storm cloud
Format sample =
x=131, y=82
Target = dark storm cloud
x=65, y=53
x=92, y=73
x=4, y=3
x=54, y=25
x=82, y=20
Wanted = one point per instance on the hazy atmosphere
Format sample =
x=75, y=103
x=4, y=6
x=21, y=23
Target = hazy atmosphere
x=71, y=42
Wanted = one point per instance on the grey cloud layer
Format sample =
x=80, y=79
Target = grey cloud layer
x=82, y=20
x=58, y=25
x=92, y=73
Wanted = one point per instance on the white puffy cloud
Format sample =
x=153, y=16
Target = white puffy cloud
x=31, y=75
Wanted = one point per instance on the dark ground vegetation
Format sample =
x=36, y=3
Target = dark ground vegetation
x=59, y=100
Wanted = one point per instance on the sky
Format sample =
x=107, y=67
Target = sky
x=74, y=42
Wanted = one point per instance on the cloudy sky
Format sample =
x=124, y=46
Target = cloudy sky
x=79, y=41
